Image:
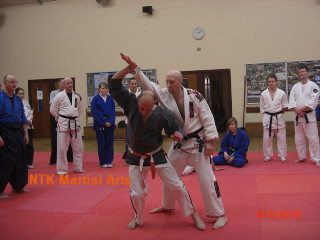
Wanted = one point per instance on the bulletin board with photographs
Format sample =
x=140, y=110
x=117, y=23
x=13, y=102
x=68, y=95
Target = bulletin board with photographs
x=94, y=79
x=286, y=73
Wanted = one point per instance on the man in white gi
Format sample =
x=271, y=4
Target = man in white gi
x=273, y=103
x=53, y=130
x=303, y=100
x=194, y=115
x=66, y=109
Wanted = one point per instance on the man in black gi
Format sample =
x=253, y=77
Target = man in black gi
x=145, y=124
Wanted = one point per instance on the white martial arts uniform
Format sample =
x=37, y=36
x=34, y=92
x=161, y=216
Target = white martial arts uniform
x=28, y=112
x=197, y=115
x=61, y=106
x=303, y=95
x=270, y=106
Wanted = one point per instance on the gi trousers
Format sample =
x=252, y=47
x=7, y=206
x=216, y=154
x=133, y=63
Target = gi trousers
x=53, y=131
x=139, y=188
x=63, y=141
x=281, y=142
x=105, y=140
x=210, y=192
x=310, y=131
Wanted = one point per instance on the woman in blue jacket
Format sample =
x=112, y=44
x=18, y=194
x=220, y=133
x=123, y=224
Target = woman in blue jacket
x=103, y=113
x=234, y=146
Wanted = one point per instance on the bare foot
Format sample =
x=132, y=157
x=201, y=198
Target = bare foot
x=4, y=196
x=198, y=222
x=161, y=209
x=217, y=169
x=133, y=224
x=299, y=160
x=23, y=190
x=221, y=221
x=80, y=171
x=318, y=163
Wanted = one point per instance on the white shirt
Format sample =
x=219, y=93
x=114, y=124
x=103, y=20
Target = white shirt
x=196, y=117
x=267, y=104
x=61, y=106
x=303, y=95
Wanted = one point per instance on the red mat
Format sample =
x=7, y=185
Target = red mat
x=286, y=195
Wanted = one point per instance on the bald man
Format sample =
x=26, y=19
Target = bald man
x=66, y=108
x=194, y=116
x=53, y=125
x=145, y=124
x=13, y=139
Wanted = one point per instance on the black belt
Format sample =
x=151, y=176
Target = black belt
x=69, y=127
x=192, y=135
x=270, y=122
x=305, y=116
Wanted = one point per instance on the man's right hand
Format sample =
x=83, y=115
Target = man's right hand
x=132, y=64
x=1, y=142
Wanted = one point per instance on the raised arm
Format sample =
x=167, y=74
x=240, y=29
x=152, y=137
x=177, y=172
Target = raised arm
x=143, y=80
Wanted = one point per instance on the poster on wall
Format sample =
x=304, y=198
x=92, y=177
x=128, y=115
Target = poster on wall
x=94, y=79
x=286, y=72
x=256, y=79
x=314, y=72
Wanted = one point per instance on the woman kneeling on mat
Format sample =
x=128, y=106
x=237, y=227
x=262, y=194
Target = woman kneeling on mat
x=234, y=146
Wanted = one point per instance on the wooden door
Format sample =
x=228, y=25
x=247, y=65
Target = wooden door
x=215, y=86
x=39, y=94
x=190, y=81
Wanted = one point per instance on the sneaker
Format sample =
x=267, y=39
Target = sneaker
x=30, y=167
x=283, y=159
x=62, y=173
x=104, y=165
x=318, y=163
x=109, y=165
x=267, y=159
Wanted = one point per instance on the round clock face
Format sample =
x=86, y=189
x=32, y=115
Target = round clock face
x=198, y=33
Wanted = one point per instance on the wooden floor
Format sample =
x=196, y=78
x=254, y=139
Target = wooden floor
x=90, y=145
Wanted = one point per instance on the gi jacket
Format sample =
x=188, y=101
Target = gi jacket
x=143, y=136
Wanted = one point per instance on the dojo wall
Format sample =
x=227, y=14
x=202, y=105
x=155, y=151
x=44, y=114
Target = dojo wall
x=73, y=37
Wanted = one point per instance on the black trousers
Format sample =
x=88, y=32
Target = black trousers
x=53, y=157
x=13, y=163
x=30, y=148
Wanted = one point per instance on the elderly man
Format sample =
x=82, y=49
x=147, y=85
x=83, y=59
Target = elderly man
x=13, y=139
x=146, y=122
x=303, y=100
x=53, y=129
x=66, y=109
x=194, y=115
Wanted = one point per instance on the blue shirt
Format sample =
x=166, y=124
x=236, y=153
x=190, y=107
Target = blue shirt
x=11, y=113
x=103, y=112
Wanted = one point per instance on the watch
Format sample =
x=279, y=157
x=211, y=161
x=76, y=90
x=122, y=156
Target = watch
x=198, y=33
